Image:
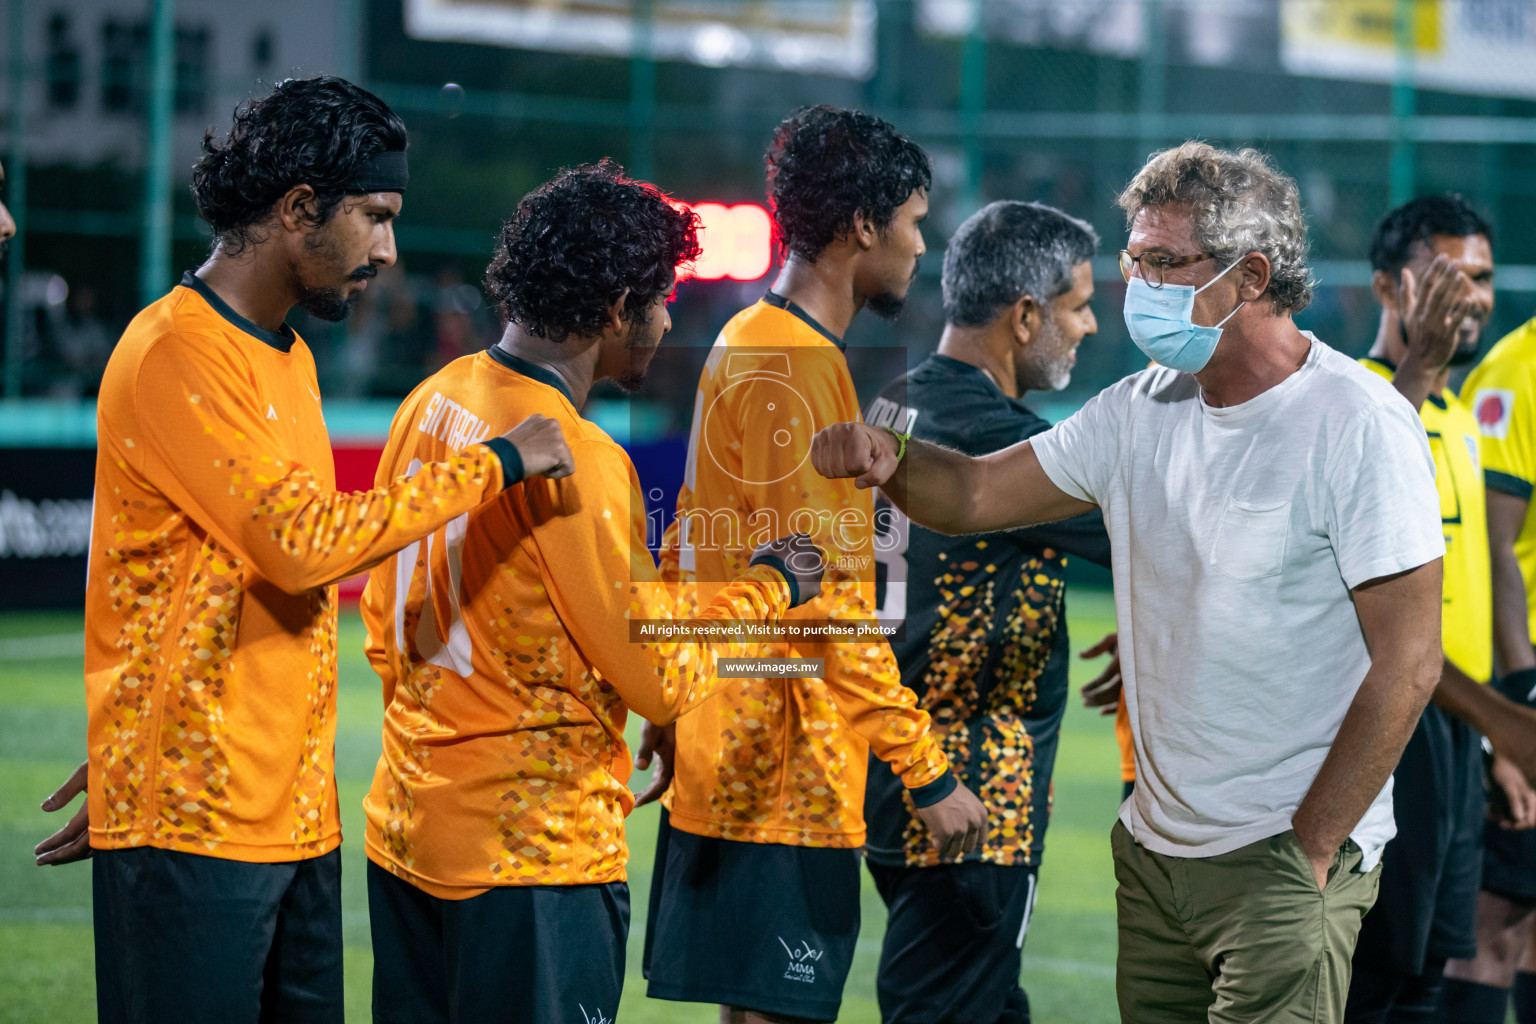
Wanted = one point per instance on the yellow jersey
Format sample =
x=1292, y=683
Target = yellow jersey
x=1466, y=614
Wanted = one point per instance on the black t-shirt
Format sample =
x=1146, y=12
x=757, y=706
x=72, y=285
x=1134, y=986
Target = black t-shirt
x=985, y=644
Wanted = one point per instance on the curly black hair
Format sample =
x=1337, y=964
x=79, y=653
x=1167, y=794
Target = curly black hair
x=826, y=164
x=1420, y=220
x=314, y=131
x=581, y=238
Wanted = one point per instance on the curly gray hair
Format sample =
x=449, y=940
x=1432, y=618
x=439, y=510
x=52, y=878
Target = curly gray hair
x=1241, y=204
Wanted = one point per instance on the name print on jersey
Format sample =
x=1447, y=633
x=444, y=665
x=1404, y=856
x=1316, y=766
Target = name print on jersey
x=451, y=423
x=885, y=413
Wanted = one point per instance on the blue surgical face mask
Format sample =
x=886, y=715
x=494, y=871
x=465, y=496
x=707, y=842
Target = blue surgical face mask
x=1160, y=324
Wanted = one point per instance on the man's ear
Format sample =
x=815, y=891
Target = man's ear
x=299, y=208
x=1255, y=270
x=864, y=231
x=1384, y=287
x=613, y=317
x=1024, y=317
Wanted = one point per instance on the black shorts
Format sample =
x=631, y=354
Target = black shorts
x=518, y=954
x=757, y=926
x=1509, y=858
x=183, y=937
x=1509, y=863
x=953, y=942
x=1427, y=905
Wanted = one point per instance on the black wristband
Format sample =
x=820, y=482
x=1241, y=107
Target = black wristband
x=511, y=460
x=1519, y=686
x=931, y=793
x=776, y=563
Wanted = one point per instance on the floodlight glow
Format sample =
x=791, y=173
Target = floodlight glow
x=737, y=242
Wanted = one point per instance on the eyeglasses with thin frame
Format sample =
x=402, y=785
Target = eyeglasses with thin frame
x=1154, y=264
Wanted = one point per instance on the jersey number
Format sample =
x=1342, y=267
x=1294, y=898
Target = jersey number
x=892, y=530
x=455, y=653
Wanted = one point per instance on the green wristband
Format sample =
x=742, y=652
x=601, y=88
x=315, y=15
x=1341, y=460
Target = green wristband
x=901, y=441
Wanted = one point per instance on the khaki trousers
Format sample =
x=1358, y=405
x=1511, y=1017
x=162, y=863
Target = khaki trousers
x=1238, y=938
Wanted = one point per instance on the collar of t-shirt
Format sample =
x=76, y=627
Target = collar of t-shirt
x=1231, y=415
x=775, y=299
x=282, y=340
x=533, y=371
x=961, y=368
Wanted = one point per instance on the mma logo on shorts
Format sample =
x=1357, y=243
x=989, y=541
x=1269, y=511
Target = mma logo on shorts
x=801, y=961
x=595, y=1017
x=1493, y=408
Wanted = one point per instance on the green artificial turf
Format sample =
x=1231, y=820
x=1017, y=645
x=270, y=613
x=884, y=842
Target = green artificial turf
x=45, y=914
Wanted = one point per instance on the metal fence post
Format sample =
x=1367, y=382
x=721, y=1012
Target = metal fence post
x=1400, y=173
x=642, y=92
x=973, y=106
x=155, y=244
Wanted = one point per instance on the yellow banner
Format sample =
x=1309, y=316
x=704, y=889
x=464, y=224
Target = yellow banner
x=1366, y=23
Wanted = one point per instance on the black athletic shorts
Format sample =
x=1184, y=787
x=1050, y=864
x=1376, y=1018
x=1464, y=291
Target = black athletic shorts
x=953, y=942
x=183, y=937
x=1509, y=863
x=1509, y=858
x=1427, y=904
x=757, y=926
x=518, y=954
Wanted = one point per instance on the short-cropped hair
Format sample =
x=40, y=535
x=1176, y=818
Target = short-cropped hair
x=1007, y=250
x=1420, y=220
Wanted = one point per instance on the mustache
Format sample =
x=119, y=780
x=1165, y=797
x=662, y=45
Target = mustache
x=363, y=273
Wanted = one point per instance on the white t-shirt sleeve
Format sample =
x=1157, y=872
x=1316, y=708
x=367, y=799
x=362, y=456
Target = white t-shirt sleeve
x=1383, y=508
x=1081, y=452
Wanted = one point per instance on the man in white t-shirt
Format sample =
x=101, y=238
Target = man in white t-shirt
x=1276, y=542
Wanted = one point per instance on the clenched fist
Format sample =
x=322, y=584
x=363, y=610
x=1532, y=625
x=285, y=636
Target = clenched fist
x=868, y=454
x=541, y=445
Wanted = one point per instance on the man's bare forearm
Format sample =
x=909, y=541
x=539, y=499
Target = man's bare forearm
x=933, y=486
x=1365, y=752
x=1400, y=622
x=1511, y=618
x=1482, y=707
x=1509, y=726
x=953, y=493
x=942, y=489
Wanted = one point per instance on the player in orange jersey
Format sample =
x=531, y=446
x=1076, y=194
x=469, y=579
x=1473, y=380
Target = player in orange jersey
x=513, y=642
x=755, y=900
x=210, y=606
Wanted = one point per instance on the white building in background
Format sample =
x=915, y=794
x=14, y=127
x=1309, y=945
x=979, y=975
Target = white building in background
x=88, y=69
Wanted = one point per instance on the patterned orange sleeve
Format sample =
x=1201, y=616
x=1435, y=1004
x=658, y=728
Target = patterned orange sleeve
x=371, y=607
x=590, y=534
x=201, y=439
x=861, y=676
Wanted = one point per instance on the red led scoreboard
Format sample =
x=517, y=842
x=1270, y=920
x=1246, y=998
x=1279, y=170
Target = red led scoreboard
x=737, y=242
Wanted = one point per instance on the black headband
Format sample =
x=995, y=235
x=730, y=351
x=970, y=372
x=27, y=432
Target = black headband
x=385, y=172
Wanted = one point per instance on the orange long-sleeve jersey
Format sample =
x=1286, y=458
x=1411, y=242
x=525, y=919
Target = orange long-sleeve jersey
x=785, y=760
x=504, y=644
x=210, y=670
